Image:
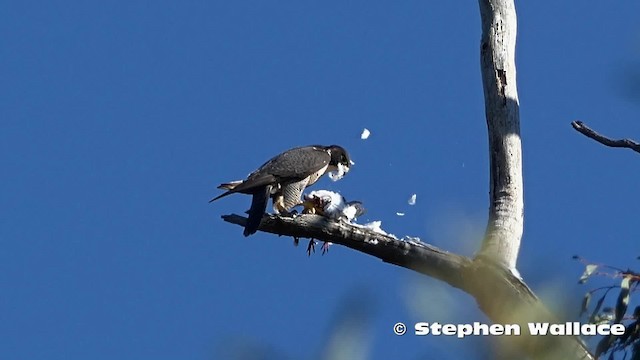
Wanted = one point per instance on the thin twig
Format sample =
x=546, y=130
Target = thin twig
x=590, y=133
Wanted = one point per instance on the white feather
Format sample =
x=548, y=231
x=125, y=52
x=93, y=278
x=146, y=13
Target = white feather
x=335, y=176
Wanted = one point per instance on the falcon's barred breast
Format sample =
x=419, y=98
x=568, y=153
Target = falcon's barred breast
x=284, y=178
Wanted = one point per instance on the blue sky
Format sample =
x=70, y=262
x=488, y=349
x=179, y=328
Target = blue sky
x=118, y=120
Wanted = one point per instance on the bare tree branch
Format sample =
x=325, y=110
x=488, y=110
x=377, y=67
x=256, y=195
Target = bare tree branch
x=418, y=256
x=506, y=205
x=590, y=133
x=504, y=298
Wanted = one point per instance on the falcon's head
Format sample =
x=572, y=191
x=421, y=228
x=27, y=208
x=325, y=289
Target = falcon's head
x=339, y=158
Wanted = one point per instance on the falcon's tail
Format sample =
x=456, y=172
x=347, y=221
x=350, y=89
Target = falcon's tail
x=227, y=186
x=258, y=207
x=230, y=185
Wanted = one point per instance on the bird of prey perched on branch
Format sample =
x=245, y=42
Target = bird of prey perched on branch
x=284, y=178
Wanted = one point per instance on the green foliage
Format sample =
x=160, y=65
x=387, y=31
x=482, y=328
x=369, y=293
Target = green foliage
x=626, y=283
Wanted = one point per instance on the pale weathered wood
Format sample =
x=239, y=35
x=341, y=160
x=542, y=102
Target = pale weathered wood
x=418, y=256
x=497, y=59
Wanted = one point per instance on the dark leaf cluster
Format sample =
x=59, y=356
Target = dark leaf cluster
x=625, y=283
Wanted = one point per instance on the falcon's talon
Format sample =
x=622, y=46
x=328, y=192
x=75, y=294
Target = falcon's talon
x=283, y=179
x=289, y=214
x=332, y=205
x=311, y=247
x=325, y=247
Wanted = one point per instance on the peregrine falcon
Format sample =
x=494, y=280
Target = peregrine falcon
x=284, y=178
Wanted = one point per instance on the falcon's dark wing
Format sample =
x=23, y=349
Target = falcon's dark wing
x=295, y=164
x=290, y=166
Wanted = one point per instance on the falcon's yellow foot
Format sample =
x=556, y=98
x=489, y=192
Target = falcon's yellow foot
x=314, y=205
x=280, y=209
